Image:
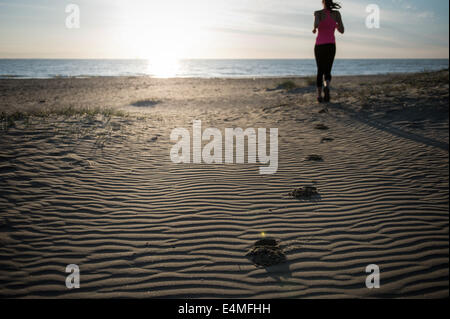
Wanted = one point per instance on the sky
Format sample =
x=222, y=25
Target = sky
x=221, y=29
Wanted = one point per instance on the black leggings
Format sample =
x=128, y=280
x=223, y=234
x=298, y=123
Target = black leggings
x=325, y=54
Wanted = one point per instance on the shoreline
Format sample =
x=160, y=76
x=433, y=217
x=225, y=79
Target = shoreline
x=246, y=77
x=209, y=68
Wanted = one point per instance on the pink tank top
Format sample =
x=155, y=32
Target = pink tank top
x=326, y=30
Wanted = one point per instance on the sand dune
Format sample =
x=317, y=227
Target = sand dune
x=102, y=193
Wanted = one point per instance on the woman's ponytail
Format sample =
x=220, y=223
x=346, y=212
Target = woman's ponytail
x=331, y=5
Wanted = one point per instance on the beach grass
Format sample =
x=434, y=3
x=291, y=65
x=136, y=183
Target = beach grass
x=288, y=85
x=8, y=120
x=310, y=81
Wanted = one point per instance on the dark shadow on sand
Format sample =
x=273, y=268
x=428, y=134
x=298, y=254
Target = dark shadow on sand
x=145, y=103
x=389, y=129
x=279, y=272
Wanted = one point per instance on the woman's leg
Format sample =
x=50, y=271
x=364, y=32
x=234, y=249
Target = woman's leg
x=320, y=71
x=330, y=54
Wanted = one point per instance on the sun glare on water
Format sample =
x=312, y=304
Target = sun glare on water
x=163, y=67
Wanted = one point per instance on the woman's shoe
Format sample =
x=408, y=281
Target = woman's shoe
x=326, y=92
x=319, y=99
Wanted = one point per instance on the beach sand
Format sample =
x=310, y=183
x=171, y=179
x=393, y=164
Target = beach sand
x=99, y=189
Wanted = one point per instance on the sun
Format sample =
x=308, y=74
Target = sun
x=162, y=49
x=160, y=34
x=160, y=46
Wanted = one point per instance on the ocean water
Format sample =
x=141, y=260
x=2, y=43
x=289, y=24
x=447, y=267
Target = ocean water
x=30, y=68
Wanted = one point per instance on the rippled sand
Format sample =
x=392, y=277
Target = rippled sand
x=101, y=192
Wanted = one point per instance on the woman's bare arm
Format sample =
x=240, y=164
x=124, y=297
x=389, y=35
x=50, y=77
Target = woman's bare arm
x=316, y=20
x=340, y=26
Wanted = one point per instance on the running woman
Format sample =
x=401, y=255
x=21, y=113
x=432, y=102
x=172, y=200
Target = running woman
x=326, y=21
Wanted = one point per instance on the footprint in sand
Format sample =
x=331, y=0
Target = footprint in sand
x=321, y=127
x=306, y=192
x=327, y=139
x=314, y=158
x=267, y=252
